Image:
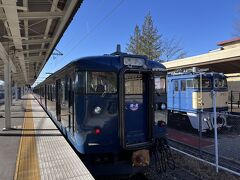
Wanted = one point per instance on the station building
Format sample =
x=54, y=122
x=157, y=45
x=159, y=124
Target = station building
x=225, y=59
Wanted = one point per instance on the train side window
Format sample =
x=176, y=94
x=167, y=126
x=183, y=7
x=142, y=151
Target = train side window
x=190, y=83
x=101, y=82
x=53, y=93
x=183, y=85
x=160, y=84
x=175, y=85
x=66, y=87
x=80, y=82
x=195, y=83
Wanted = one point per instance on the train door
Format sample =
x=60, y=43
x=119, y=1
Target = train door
x=58, y=99
x=183, y=95
x=176, y=95
x=136, y=104
x=71, y=106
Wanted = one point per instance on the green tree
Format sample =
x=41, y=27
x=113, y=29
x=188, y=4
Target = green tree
x=151, y=41
x=147, y=41
x=134, y=46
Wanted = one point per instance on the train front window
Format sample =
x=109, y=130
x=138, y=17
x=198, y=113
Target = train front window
x=220, y=83
x=206, y=83
x=133, y=84
x=160, y=84
x=101, y=82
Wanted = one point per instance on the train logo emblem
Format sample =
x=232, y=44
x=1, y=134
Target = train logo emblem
x=133, y=107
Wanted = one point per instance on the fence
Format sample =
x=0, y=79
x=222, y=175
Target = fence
x=216, y=141
x=234, y=101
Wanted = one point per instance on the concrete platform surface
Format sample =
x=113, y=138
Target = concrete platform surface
x=36, y=149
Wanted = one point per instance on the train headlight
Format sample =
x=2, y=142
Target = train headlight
x=97, y=110
x=163, y=106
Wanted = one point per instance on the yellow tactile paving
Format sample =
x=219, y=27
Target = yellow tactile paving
x=27, y=167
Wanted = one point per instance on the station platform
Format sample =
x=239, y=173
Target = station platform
x=35, y=148
x=189, y=139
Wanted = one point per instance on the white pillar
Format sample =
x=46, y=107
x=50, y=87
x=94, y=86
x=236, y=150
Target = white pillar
x=7, y=95
x=10, y=91
x=16, y=91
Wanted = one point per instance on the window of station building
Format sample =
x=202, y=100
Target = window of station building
x=101, y=82
x=160, y=84
x=175, y=85
x=183, y=85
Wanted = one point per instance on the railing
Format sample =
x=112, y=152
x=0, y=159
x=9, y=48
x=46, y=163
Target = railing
x=234, y=101
x=219, y=148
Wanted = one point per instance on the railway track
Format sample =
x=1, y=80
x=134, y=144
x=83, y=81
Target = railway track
x=223, y=161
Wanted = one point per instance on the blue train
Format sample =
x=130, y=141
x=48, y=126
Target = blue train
x=190, y=99
x=111, y=108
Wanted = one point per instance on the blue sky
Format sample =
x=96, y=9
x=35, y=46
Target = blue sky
x=101, y=24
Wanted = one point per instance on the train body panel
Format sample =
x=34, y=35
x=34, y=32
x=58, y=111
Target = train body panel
x=221, y=100
x=104, y=105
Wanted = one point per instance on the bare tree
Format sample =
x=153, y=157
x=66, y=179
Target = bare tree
x=172, y=50
x=237, y=25
x=237, y=29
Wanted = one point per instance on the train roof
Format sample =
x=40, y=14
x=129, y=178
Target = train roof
x=195, y=74
x=113, y=62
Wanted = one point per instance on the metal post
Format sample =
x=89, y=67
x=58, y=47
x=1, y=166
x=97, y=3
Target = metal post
x=200, y=115
x=215, y=128
x=16, y=91
x=7, y=97
x=200, y=133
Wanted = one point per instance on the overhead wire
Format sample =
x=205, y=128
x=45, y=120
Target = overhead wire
x=95, y=27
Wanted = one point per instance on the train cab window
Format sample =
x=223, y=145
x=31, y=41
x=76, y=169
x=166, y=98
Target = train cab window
x=101, y=82
x=133, y=84
x=175, y=85
x=183, y=85
x=206, y=83
x=224, y=83
x=160, y=84
x=195, y=83
x=220, y=83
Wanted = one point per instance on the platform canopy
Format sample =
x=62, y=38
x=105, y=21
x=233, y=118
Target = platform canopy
x=226, y=59
x=29, y=32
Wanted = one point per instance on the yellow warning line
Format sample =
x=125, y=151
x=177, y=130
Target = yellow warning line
x=27, y=167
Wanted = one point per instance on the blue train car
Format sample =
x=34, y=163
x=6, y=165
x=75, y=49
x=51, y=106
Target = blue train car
x=190, y=99
x=110, y=108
